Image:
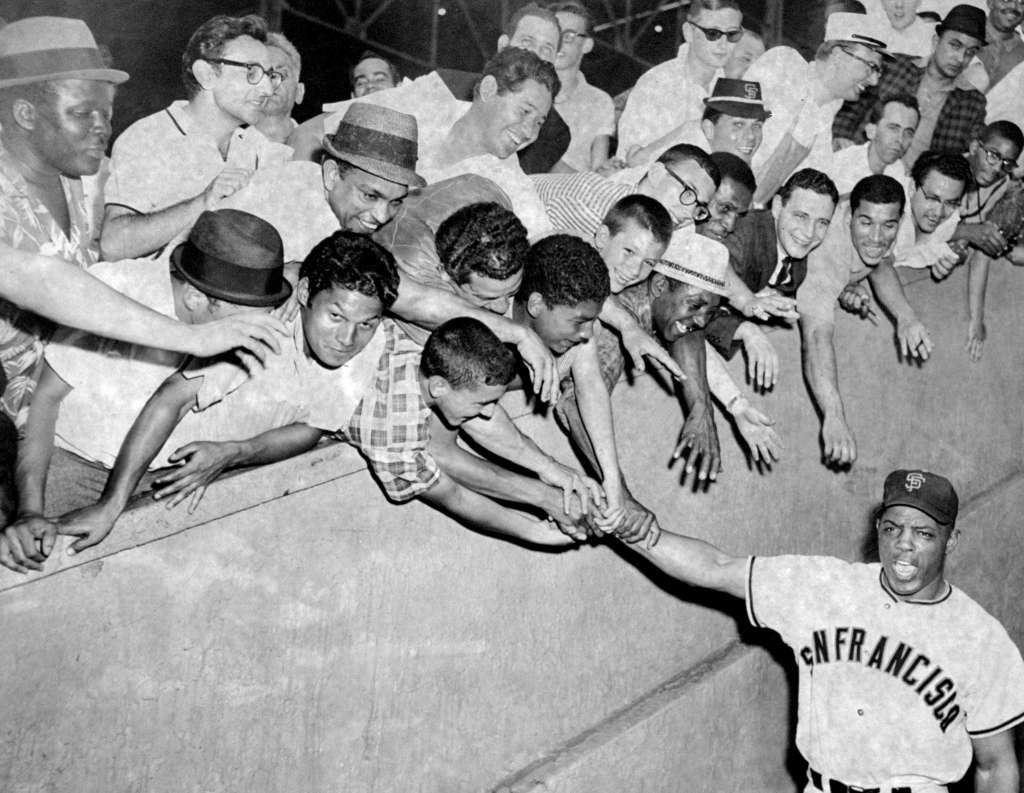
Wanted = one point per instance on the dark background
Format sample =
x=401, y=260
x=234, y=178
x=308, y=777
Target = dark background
x=147, y=38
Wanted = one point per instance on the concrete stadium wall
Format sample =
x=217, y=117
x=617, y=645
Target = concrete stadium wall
x=298, y=633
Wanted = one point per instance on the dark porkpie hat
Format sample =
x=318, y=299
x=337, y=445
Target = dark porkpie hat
x=737, y=98
x=234, y=256
x=932, y=494
x=964, y=19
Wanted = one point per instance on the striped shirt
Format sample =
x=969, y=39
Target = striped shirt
x=578, y=202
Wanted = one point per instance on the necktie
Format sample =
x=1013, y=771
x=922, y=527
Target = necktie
x=785, y=272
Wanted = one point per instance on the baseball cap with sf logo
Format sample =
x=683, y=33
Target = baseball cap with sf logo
x=931, y=493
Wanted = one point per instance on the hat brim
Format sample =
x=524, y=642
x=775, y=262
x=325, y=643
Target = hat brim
x=736, y=108
x=927, y=509
x=385, y=170
x=685, y=275
x=239, y=298
x=115, y=76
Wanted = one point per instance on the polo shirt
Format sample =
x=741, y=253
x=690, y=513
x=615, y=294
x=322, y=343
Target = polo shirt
x=165, y=158
x=111, y=380
x=590, y=113
x=664, y=97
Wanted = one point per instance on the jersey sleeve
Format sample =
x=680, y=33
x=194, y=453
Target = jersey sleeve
x=998, y=704
x=789, y=594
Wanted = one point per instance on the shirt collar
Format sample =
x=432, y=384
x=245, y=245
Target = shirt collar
x=943, y=596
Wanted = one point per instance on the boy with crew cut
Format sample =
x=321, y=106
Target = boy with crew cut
x=311, y=388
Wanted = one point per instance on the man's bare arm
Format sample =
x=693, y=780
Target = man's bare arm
x=822, y=373
x=698, y=440
x=910, y=331
x=697, y=563
x=152, y=427
x=481, y=513
x=780, y=164
x=42, y=284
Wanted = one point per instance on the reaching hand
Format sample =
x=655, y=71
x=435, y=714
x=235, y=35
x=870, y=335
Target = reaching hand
x=762, y=359
x=26, y=543
x=757, y=430
x=913, y=338
x=573, y=483
x=840, y=446
x=90, y=524
x=254, y=331
x=203, y=462
x=639, y=343
x=856, y=299
x=541, y=363
x=698, y=443
x=944, y=265
x=976, y=334
x=768, y=303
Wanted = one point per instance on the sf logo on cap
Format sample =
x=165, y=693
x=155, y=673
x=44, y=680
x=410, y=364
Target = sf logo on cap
x=750, y=90
x=914, y=481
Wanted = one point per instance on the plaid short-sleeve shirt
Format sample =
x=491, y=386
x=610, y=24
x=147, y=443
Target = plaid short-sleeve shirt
x=390, y=426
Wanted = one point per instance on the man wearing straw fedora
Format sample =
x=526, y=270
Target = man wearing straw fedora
x=169, y=167
x=56, y=100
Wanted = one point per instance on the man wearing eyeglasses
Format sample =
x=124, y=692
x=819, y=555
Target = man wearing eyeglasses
x=587, y=110
x=805, y=97
x=169, y=167
x=669, y=95
x=950, y=115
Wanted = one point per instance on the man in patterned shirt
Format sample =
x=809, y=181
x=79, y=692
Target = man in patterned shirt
x=950, y=116
x=56, y=100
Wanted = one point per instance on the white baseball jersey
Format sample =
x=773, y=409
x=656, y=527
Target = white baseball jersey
x=891, y=691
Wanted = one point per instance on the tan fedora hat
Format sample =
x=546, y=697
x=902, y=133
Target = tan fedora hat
x=35, y=49
x=379, y=140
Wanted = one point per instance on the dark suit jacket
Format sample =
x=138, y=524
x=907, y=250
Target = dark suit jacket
x=541, y=155
x=753, y=254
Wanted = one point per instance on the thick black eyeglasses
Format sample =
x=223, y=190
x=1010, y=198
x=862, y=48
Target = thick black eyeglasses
x=688, y=198
x=874, y=67
x=714, y=34
x=994, y=157
x=254, y=72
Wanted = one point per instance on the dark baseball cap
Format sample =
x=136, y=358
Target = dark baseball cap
x=931, y=493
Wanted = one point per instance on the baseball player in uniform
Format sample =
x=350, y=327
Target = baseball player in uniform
x=904, y=679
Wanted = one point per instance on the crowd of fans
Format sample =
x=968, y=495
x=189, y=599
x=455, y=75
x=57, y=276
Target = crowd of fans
x=230, y=288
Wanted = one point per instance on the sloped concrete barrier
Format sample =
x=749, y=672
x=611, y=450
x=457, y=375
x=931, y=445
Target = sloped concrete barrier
x=299, y=633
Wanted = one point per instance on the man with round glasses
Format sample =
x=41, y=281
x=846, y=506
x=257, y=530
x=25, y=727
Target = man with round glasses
x=169, y=167
x=668, y=96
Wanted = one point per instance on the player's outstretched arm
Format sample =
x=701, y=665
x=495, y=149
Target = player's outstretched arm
x=995, y=764
x=697, y=563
